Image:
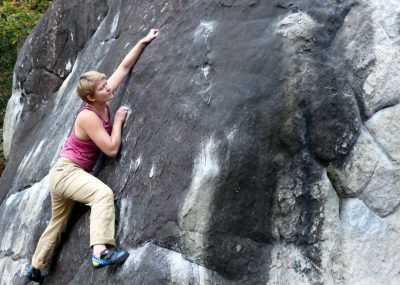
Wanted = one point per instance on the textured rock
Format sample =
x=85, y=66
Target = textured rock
x=352, y=175
x=19, y=230
x=372, y=244
x=383, y=191
x=368, y=40
x=172, y=268
x=293, y=265
x=367, y=173
x=385, y=128
x=245, y=117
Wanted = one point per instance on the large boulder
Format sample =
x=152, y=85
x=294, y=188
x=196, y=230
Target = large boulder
x=260, y=147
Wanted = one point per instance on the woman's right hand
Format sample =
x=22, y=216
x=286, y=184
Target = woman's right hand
x=121, y=114
x=150, y=36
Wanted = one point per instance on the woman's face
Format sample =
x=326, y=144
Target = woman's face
x=103, y=92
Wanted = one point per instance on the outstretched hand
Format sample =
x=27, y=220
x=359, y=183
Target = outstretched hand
x=150, y=36
x=126, y=64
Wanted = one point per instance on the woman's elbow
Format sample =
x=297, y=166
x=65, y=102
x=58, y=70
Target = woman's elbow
x=113, y=153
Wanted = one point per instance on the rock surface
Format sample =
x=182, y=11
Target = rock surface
x=260, y=147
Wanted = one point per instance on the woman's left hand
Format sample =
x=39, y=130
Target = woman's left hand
x=150, y=36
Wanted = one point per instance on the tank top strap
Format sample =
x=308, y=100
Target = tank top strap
x=86, y=106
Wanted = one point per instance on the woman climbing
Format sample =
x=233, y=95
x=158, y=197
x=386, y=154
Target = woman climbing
x=70, y=179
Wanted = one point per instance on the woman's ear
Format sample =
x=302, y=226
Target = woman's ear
x=90, y=98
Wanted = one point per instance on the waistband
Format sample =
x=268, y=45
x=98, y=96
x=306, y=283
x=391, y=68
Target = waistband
x=64, y=159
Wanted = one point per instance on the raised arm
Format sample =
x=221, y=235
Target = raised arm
x=125, y=66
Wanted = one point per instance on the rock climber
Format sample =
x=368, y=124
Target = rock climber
x=70, y=179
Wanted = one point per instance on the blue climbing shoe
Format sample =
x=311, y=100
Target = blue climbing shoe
x=33, y=274
x=109, y=257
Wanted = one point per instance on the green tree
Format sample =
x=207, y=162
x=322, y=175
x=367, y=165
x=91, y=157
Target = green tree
x=17, y=19
x=8, y=56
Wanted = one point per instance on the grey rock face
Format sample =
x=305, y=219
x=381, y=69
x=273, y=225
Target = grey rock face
x=260, y=147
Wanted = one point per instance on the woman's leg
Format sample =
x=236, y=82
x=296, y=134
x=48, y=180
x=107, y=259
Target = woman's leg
x=70, y=183
x=85, y=188
x=61, y=210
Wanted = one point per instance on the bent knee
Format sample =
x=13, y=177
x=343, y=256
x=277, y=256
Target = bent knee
x=106, y=193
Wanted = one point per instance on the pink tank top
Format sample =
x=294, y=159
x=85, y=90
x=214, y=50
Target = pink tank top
x=85, y=152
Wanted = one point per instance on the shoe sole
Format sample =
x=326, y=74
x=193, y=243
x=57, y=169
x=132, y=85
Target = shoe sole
x=120, y=260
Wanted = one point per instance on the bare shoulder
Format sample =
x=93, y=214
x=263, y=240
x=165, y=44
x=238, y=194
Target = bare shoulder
x=87, y=118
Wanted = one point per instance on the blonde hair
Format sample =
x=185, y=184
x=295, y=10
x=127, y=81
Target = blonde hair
x=87, y=84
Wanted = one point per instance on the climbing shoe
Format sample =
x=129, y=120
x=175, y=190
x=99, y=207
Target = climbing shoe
x=33, y=274
x=109, y=257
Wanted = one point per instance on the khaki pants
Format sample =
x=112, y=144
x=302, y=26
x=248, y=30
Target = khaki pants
x=70, y=183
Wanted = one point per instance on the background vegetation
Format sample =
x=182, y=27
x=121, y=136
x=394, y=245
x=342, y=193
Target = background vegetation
x=17, y=18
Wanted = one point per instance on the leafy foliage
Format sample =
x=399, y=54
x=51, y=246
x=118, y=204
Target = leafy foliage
x=17, y=18
x=8, y=56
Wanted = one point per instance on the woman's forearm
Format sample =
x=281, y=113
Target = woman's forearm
x=115, y=140
x=132, y=56
x=129, y=60
x=125, y=66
